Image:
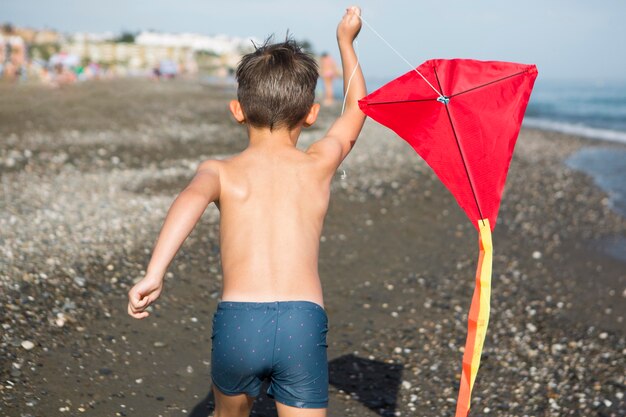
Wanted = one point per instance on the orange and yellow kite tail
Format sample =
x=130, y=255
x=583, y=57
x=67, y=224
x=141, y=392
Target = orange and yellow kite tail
x=478, y=319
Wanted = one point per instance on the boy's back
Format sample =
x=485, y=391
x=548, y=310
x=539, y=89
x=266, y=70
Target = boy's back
x=272, y=203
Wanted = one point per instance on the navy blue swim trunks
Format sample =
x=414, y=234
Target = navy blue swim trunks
x=284, y=341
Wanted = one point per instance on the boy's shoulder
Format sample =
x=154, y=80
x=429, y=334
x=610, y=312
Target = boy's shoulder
x=216, y=167
x=210, y=166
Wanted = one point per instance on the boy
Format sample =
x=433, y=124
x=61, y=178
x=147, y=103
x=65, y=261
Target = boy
x=272, y=199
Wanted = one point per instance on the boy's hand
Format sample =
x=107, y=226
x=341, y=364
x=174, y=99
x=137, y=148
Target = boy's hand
x=144, y=293
x=350, y=25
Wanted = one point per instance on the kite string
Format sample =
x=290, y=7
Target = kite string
x=343, y=175
x=400, y=55
x=345, y=96
x=356, y=43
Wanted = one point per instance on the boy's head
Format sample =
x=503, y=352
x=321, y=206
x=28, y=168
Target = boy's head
x=276, y=85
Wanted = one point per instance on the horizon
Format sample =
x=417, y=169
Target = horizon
x=568, y=41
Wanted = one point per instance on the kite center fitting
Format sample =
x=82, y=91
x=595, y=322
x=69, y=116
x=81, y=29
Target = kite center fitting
x=443, y=99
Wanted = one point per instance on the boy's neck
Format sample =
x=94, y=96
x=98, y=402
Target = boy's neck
x=264, y=137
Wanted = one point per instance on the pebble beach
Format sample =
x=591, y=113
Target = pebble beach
x=89, y=171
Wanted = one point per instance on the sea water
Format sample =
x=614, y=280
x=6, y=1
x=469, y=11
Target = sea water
x=607, y=166
x=593, y=109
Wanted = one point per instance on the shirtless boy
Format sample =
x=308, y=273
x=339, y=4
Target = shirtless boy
x=272, y=197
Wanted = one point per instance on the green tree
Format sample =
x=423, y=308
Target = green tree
x=7, y=28
x=126, y=37
x=44, y=50
x=306, y=45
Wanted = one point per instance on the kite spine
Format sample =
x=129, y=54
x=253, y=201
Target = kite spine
x=458, y=144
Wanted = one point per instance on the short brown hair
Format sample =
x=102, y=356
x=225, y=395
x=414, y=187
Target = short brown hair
x=276, y=84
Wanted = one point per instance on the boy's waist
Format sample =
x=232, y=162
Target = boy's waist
x=269, y=305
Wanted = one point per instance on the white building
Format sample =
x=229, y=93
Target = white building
x=218, y=44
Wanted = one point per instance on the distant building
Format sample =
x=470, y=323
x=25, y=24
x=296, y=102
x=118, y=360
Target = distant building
x=217, y=54
x=130, y=56
x=218, y=44
x=24, y=50
x=47, y=37
x=151, y=49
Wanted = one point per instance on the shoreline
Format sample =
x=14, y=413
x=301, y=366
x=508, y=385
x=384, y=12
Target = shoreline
x=587, y=132
x=396, y=262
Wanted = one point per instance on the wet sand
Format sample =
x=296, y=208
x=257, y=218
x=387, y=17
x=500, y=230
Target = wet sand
x=88, y=173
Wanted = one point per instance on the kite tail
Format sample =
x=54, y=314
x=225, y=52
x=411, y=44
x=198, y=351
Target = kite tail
x=477, y=321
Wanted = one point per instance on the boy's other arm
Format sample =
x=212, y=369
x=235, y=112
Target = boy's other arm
x=181, y=218
x=344, y=132
x=183, y=215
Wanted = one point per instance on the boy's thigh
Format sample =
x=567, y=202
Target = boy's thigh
x=288, y=411
x=238, y=405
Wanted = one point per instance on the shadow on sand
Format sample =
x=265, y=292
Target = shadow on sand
x=373, y=383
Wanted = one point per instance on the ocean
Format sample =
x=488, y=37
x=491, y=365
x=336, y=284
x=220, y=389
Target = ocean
x=592, y=109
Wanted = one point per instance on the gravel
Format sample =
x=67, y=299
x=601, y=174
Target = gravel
x=82, y=203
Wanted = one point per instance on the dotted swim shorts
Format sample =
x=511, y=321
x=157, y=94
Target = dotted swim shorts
x=284, y=341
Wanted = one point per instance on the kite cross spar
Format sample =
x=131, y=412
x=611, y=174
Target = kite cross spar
x=466, y=132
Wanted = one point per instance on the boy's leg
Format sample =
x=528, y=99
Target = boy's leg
x=232, y=405
x=328, y=90
x=288, y=411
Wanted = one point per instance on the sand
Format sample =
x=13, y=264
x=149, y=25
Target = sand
x=88, y=173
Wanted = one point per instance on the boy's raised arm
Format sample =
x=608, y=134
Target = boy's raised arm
x=344, y=132
x=181, y=218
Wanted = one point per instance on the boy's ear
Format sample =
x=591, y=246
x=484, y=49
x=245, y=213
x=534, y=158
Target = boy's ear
x=312, y=116
x=237, y=111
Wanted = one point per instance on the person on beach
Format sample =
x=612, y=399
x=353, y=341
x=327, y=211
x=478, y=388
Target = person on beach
x=270, y=321
x=328, y=71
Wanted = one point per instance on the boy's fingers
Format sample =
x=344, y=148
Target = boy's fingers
x=142, y=305
x=136, y=314
x=132, y=308
x=136, y=306
x=139, y=315
x=133, y=301
x=136, y=298
x=136, y=303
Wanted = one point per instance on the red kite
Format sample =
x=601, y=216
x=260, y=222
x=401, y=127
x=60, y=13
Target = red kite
x=462, y=117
